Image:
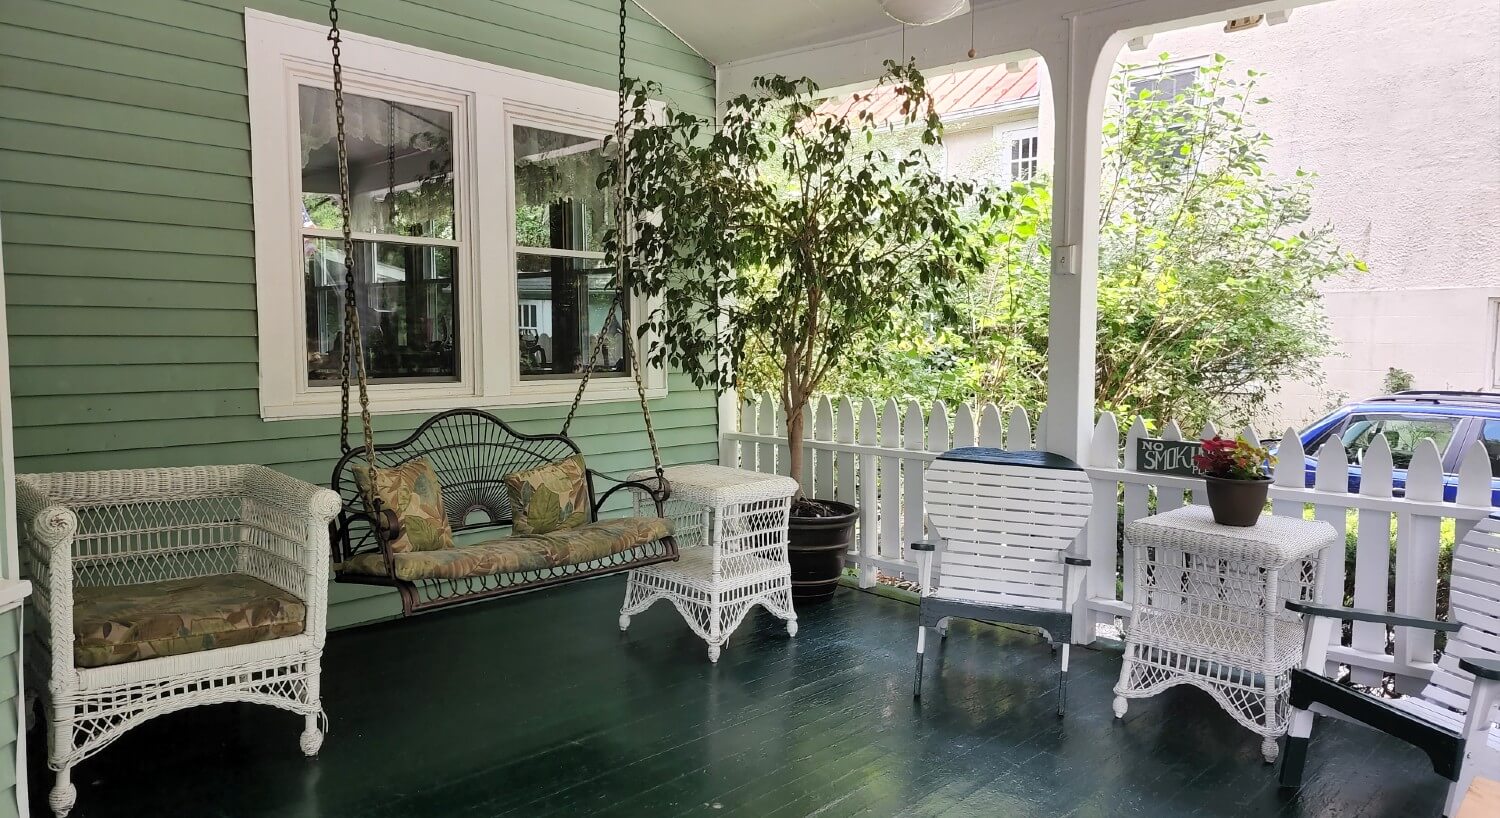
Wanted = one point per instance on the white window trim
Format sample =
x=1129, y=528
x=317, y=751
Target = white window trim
x=1155, y=71
x=1008, y=134
x=1494, y=363
x=282, y=53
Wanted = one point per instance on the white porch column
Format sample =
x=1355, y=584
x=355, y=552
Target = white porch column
x=1079, y=68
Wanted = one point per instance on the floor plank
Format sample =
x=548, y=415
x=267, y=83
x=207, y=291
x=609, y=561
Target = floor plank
x=538, y=706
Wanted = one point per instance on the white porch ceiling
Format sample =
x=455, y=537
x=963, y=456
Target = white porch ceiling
x=727, y=30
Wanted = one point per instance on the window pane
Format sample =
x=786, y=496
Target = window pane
x=563, y=305
x=558, y=201
x=1490, y=437
x=407, y=310
x=1402, y=433
x=400, y=165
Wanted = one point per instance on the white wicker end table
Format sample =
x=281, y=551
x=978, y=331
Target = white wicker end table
x=1208, y=612
x=731, y=529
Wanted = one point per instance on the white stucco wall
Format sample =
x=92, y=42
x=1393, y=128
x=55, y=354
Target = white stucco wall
x=1396, y=105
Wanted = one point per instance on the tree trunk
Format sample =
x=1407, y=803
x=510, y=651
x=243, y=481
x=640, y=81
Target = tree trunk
x=795, y=422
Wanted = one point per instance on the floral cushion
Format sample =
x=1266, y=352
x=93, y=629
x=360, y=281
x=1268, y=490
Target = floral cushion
x=549, y=498
x=519, y=553
x=126, y=623
x=413, y=492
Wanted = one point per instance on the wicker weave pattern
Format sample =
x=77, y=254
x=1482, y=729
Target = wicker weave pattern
x=83, y=529
x=1209, y=612
x=731, y=529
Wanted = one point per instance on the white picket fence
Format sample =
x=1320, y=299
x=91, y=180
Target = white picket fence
x=875, y=457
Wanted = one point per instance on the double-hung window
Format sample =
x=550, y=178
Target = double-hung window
x=563, y=282
x=477, y=224
x=1020, y=152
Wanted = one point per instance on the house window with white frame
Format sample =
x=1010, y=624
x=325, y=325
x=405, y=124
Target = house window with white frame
x=408, y=246
x=478, y=262
x=1019, y=151
x=1164, y=83
x=560, y=219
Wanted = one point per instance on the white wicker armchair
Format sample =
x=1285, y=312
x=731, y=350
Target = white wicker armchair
x=105, y=535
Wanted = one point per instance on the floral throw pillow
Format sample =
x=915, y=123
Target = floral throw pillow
x=549, y=498
x=413, y=492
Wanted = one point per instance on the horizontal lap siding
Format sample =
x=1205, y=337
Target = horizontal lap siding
x=129, y=256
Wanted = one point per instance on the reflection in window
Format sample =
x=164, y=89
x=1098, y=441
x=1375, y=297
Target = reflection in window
x=564, y=306
x=406, y=237
x=1490, y=437
x=1402, y=433
x=564, y=287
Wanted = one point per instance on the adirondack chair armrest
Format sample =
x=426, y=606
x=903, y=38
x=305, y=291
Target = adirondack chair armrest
x=1482, y=668
x=1363, y=615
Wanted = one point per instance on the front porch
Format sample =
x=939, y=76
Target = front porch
x=538, y=706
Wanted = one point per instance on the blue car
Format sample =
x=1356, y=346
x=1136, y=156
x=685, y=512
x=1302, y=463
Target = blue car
x=1453, y=420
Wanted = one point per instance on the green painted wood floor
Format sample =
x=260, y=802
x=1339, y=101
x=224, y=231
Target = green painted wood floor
x=538, y=706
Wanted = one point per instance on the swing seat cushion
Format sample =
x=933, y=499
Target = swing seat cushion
x=125, y=623
x=413, y=492
x=549, y=498
x=519, y=553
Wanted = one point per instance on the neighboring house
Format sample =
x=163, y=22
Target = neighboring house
x=1376, y=98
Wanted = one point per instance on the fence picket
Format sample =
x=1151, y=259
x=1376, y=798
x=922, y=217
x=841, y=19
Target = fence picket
x=990, y=432
x=1417, y=564
x=1168, y=498
x=1101, y=536
x=913, y=438
x=1136, y=506
x=889, y=544
x=1372, y=556
x=1197, y=496
x=729, y=447
x=765, y=424
x=937, y=441
x=869, y=508
x=1289, y=472
x=806, y=477
x=1039, y=437
x=823, y=432
x=963, y=426
x=1018, y=431
x=1474, y=476
x=845, y=487
x=783, y=456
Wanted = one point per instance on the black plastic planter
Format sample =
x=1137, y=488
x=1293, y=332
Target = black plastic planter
x=1237, y=502
x=816, y=551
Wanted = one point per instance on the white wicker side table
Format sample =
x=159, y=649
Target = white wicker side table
x=731, y=529
x=1208, y=612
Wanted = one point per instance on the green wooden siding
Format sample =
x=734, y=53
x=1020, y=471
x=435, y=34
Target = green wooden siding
x=129, y=257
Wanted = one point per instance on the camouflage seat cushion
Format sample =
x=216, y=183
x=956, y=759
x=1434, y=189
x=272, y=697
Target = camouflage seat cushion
x=126, y=623
x=519, y=553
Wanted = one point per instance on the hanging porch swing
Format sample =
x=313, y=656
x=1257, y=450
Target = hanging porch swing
x=466, y=470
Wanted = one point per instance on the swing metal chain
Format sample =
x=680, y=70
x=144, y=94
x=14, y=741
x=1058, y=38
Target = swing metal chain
x=623, y=287
x=352, y=331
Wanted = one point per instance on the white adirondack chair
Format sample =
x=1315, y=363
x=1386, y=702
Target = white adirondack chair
x=1454, y=718
x=1009, y=525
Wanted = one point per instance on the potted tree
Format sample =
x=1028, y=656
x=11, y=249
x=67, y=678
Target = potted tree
x=784, y=239
x=1237, y=479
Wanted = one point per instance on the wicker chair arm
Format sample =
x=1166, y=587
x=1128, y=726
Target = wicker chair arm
x=1381, y=617
x=298, y=497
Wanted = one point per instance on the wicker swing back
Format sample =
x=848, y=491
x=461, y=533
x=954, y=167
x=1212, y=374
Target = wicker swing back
x=471, y=451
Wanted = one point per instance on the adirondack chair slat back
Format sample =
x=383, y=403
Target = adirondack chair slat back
x=1474, y=601
x=1004, y=517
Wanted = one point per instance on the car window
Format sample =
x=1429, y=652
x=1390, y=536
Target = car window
x=1490, y=437
x=1402, y=432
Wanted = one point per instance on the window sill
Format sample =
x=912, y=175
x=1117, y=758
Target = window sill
x=535, y=393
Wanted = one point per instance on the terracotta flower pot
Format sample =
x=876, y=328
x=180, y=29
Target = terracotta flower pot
x=1237, y=502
